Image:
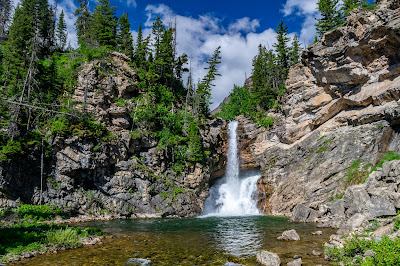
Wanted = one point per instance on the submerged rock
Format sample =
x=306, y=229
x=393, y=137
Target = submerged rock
x=267, y=258
x=289, y=235
x=295, y=262
x=138, y=262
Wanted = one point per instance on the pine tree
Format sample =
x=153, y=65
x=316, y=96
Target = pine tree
x=61, y=32
x=349, y=5
x=157, y=30
x=266, y=78
x=5, y=18
x=18, y=47
x=330, y=16
x=104, y=25
x=204, y=87
x=164, y=58
x=281, y=47
x=83, y=22
x=139, y=56
x=45, y=25
x=124, y=36
x=295, y=51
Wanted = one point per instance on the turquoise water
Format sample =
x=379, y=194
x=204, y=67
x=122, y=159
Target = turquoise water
x=192, y=241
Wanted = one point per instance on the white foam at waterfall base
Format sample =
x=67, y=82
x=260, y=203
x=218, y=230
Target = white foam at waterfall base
x=233, y=195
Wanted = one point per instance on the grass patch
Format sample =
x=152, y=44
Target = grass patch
x=24, y=232
x=397, y=222
x=354, y=175
x=337, y=196
x=389, y=156
x=67, y=237
x=324, y=146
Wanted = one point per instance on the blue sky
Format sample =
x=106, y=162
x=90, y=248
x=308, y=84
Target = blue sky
x=237, y=26
x=268, y=13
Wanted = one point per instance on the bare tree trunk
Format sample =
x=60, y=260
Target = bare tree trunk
x=41, y=177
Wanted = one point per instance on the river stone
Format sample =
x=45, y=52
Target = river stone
x=316, y=253
x=138, y=262
x=289, y=235
x=267, y=258
x=317, y=233
x=295, y=263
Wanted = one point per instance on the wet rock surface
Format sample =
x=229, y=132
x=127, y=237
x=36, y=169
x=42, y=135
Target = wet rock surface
x=268, y=258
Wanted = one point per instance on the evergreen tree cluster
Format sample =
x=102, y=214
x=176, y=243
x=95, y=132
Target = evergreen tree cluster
x=38, y=74
x=333, y=14
x=270, y=68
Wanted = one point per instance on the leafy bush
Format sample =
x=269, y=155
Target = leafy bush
x=59, y=126
x=12, y=148
x=36, y=212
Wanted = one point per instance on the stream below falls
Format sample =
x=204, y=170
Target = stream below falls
x=192, y=241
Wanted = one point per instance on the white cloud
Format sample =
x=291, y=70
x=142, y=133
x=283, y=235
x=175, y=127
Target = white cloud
x=303, y=7
x=130, y=3
x=306, y=9
x=199, y=37
x=244, y=24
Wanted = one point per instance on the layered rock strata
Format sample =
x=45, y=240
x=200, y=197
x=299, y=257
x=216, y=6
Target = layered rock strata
x=340, y=116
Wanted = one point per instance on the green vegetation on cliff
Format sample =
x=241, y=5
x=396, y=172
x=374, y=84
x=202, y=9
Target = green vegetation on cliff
x=39, y=76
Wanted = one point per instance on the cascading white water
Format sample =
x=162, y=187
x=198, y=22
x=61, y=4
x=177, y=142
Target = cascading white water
x=233, y=195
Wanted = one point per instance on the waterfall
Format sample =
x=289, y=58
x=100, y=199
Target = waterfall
x=233, y=195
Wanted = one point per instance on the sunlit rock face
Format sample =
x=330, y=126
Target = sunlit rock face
x=339, y=116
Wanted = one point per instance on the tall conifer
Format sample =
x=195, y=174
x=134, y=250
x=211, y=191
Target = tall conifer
x=295, y=51
x=61, y=32
x=104, y=25
x=330, y=16
x=281, y=46
x=204, y=87
x=124, y=36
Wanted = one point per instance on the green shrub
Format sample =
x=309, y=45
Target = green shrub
x=36, y=212
x=387, y=252
x=12, y=148
x=397, y=222
x=67, y=237
x=59, y=126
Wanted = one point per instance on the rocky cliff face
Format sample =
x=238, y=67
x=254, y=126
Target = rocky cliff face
x=123, y=176
x=340, y=116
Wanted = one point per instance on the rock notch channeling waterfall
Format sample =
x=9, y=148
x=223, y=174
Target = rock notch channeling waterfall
x=233, y=195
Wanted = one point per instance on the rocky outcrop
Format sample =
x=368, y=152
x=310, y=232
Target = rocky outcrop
x=340, y=116
x=123, y=174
